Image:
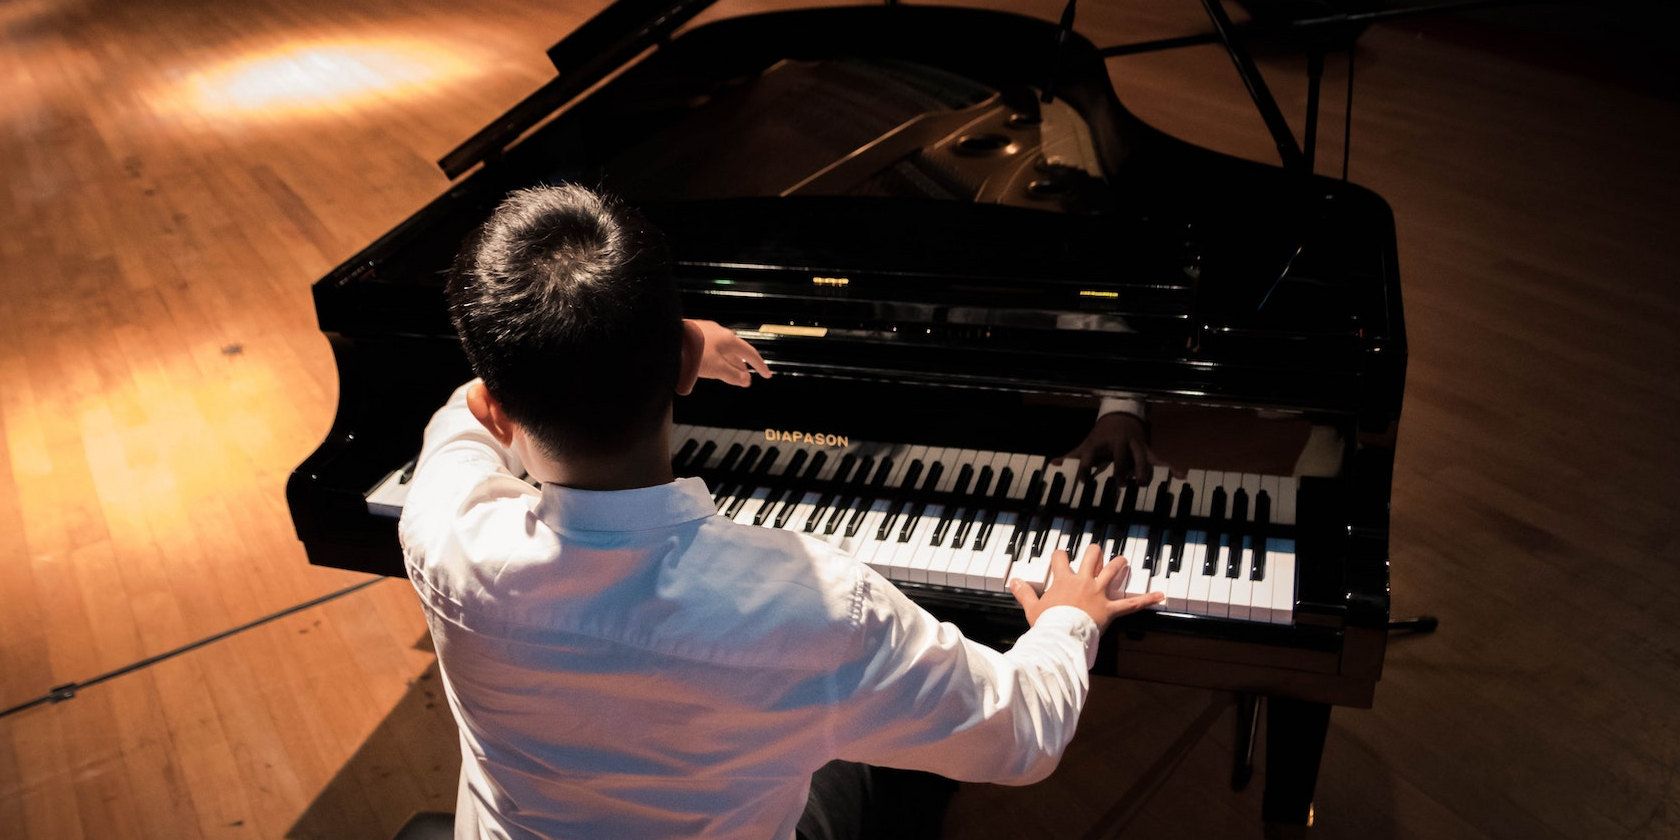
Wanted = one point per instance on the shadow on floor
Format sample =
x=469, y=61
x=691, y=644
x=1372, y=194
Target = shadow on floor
x=409, y=763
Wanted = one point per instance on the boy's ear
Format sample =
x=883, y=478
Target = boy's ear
x=693, y=349
x=489, y=412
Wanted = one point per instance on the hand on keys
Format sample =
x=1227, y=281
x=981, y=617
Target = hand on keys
x=726, y=356
x=1087, y=589
x=1118, y=439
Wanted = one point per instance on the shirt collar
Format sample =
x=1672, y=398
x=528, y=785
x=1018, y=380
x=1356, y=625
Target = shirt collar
x=641, y=509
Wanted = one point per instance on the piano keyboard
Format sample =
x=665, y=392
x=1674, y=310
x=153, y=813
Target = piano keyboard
x=1219, y=544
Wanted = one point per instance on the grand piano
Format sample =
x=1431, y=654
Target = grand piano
x=956, y=247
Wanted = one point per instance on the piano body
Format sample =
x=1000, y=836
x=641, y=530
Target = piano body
x=948, y=275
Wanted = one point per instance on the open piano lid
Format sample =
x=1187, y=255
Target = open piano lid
x=605, y=42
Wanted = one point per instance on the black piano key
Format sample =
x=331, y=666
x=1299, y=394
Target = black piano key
x=1262, y=521
x=1181, y=527
x=958, y=489
x=918, y=505
x=877, y=485
x=1128, y=503
x=773, y=501
x=798, y=489
x=1051, y=508
x=697, y=463
x=730, y=457
x=845, y=502
x=1029, y=504
x=1001, y=495
x=679, y=461
x=1104, y=517
x=966, y=521
x=842, y=477
x=742, y=469
x=1082, y=516
x=760, y=472
x=1108, y=502
x=1235, y=533
x=728, y=478
x=795, y=463
x=1215, y=531
x=902, y=500
x=1158, y=524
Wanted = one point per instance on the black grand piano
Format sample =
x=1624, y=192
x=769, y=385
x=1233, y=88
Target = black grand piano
x=953, y=243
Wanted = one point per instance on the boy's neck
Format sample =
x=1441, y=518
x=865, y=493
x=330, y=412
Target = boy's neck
x=644, y=465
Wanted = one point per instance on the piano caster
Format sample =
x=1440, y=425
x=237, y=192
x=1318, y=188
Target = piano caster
x=1248, y=726
x=1418, y=624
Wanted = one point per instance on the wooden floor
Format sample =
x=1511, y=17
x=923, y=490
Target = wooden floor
x=163, y=211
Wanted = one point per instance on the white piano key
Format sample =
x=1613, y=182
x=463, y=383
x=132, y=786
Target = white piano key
x=1283, y=506
x=997, y=560
x=1219, y=590
x=1211, y=481
x=1054, y=538
x=1280, y=568
x=724, y=441
x=953, y=459
x=1035, y=571
x=1251, y=484
x=949, y=565
x=1068, y=470
x=925, y=454
x=1195, y=479
x=1022, y=468
x=918, y=550
x=831, y=464
x=1145, y=497
x=1242, y=588
x=1177, y=586
x=1263, y=590
x=802, y=510
x=1201, y=585
x=963, y=560
x=1269, y=483
x=861, y=544
x=1135, y=543
x=750, y=509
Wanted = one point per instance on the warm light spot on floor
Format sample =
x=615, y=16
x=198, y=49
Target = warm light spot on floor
x=300, y=79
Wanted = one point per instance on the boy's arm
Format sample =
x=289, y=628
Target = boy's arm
x=457, y=454
x=922, y=696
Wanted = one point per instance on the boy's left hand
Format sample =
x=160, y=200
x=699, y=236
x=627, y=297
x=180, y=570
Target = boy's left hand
x=727, y=357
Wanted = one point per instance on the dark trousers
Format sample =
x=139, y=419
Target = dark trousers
x=858, y=802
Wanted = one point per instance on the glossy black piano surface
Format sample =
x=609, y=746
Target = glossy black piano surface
x=930, y=255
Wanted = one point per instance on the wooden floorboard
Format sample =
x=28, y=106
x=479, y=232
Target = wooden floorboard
x=161, y=373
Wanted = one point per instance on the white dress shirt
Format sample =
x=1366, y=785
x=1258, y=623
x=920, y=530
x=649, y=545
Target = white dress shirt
x=630, y=664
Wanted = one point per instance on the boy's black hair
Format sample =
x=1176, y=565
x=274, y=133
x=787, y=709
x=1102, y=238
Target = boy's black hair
x=566, y=308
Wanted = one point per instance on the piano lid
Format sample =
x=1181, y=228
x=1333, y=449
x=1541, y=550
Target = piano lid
x=605, y=42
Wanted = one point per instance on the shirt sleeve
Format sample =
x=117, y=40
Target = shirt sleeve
x=1123, y=404
x=924, y=697
x=457, y=455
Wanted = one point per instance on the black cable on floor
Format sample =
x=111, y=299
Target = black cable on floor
x=59, y=694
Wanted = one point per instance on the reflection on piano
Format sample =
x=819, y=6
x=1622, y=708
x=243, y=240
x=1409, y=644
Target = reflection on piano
x=948, y=275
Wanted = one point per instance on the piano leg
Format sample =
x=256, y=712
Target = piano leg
x=1248, y=725
x=1295, y=732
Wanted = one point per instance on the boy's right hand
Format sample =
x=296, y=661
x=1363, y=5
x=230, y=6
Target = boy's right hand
x=726, y=356
x=1086, y=589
